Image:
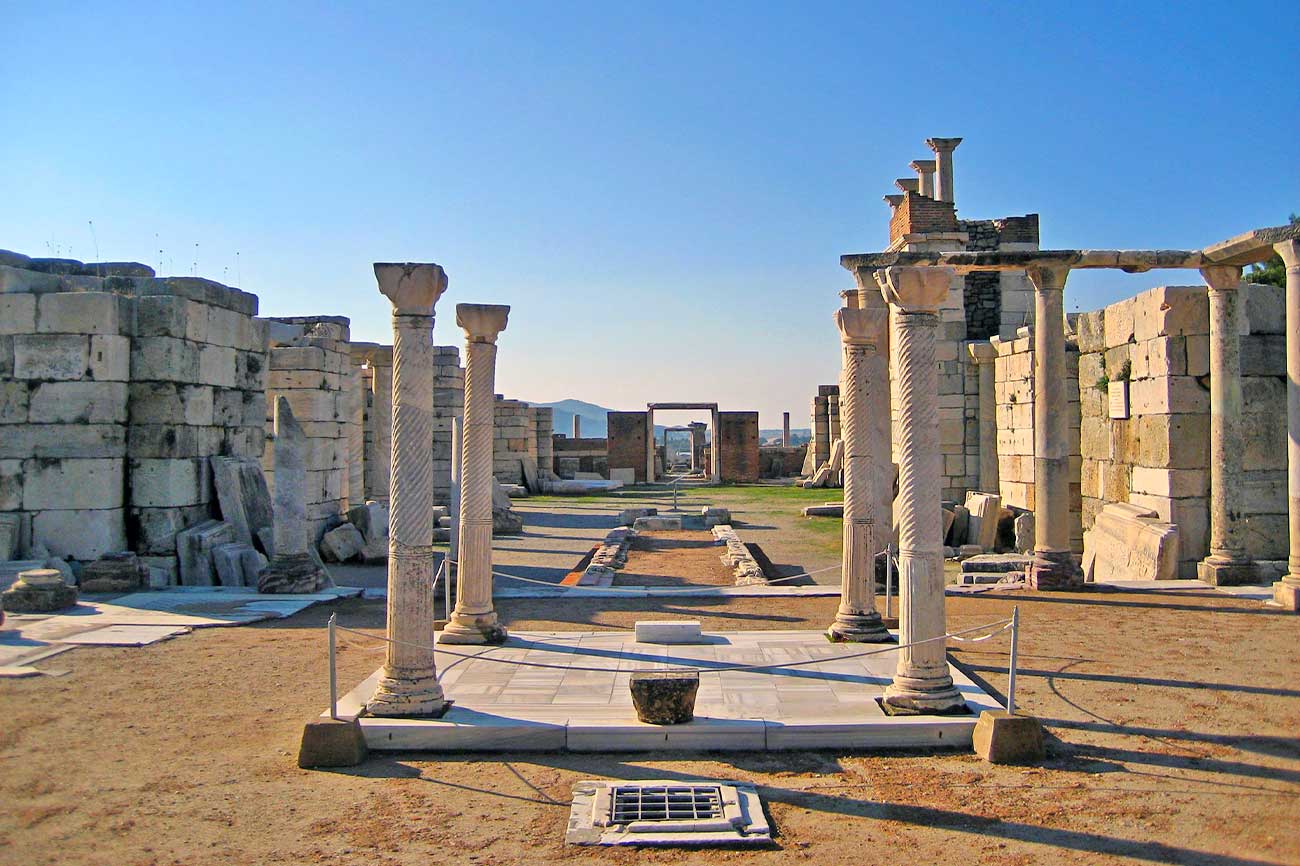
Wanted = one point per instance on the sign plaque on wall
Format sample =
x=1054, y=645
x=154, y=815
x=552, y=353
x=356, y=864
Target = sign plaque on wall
x=1118, y=394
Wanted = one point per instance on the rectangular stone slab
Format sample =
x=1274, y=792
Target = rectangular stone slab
x=243, y=496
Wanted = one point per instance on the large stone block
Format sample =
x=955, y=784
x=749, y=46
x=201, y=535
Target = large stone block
x=1169, y=311
x=51, y=356
x=164, y=442
x=1129, y=542
x=17, y=314
x=1174, y=441
x=1263, y=355
x=83, y=313
x=171, y=403
x=168, y=483
x=155, y=529
x=1265, y=437
x=76, y=403
x=170, y=316
x=72, y=484
x=11, y=485
x=217, y=366
x=110, y=358
x=1171, y=483
x=164, y=359
x=14, y=402
x=194, y=547
x=1168, y=395
x=1265, y=309
x=80, y=534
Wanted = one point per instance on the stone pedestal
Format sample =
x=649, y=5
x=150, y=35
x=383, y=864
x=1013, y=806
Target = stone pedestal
x=474, y=621
x=1286, y=592
x=1053, y=566
x=40, y=590
x=922, y=683
x=292, y=568
x=1008, y=738
x=983, y=356
x=409, y=684
x=1227, y=562
x=864, y=371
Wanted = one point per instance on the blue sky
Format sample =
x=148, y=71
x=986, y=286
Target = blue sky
x=662, y=191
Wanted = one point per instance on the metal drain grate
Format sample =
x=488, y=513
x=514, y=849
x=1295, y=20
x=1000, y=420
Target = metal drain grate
x=665, y=803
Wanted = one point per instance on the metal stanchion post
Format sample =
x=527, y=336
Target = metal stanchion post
x=889, y=578
x=1011, y=674
x=334, y=678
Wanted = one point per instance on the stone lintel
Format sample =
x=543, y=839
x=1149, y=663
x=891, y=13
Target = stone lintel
x=713, y=407
x=1252, y=247
x=1131, y=261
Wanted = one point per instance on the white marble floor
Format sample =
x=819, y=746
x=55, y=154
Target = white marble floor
x=504, y=706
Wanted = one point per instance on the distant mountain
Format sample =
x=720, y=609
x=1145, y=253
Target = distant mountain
x=594, y=418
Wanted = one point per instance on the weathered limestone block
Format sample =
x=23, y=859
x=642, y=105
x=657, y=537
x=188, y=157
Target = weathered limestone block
x=169, y=483
x=628, y=516
x=194, y=548
x=984, y=509
x=75, y=403
x=51, y=356
x=1128, y=542
x=292, y=568
x=72, y=484
x=38, y=591
x=665, y=697
x=115, y=572
x=82, y=313
x=242, y=496
x=80, y=534
x=342, y=543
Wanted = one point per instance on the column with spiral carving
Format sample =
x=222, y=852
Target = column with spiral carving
x=408, y=685
x=921, y=683
x=864, y=370
x=474, y=620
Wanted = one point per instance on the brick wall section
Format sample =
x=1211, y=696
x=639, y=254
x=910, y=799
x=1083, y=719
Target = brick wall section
x=738, y=440
x=311, y=362
x=1014, y=390
x=627, y=443
x=1159, y=456
x=917, y=214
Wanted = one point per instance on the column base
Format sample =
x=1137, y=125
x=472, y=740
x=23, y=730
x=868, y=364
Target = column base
x=1286, y=593
x=293, y=573
x=1225, y=571
x=1053, y=570
x=408, y=696
x=911, y=696
x=859, y=628
x=476, y=630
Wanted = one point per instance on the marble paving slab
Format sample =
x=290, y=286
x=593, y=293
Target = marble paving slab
x=126, y=635
x=828, y=703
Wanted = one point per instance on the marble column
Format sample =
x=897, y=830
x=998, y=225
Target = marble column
x=381, y=414
x=356, y=403
x=925, y=169
x=474, y=621
x=1053, y=566
x=983, y=356
x=715, y=449
x=1286, y=591
x=1227, y=562
x=864, y=370
x=921, y=683
x=453, y=537
x=577, y=426
x=943, y=148
x=880, y=406
x=785, y=429
x=408, y=685
x=292, y=568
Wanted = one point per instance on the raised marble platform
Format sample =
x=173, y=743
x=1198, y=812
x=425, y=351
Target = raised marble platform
x=505, y=707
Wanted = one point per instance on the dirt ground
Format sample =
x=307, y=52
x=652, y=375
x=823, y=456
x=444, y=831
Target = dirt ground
x=1172, y=720
x=675, y=558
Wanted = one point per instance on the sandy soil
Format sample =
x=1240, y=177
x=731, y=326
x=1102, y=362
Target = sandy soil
x=1173, y=722
x=675, y=558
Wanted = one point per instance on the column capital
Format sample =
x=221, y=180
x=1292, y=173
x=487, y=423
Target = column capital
x=1046, y=277
x=981, y=353
x=908, y=184
x=860, y=327
x=1221, y=278
x=849, y=298
x=412, y=288
x=482, y=322
x=915, y=289
x=923, y=166
x=943, y=145
x=893, y=201
x=1290, y=252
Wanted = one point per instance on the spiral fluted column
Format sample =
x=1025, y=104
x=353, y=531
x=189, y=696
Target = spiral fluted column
x=1286, y=591
x=921, y=683
x=474, y=620
x=864, y=370
x=409, y=685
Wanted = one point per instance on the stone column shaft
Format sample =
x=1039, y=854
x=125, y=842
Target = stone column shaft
x=475, y=620
x=577, y=426
x=943, y=148
x=1286, y=592
x=984, y=356
x=864, y=370
x=1227, y=562
x=1053, y=566
x=785, y=429
x=922, y=683
x=409, y=684
x=381, y=413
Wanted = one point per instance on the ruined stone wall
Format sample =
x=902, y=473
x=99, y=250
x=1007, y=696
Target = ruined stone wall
x=627, y=442
x=448, y=403
x=544, y=427
x=512, y=432
x=1014, y=390
x=115, y=388
x=376, y=362
x=738, y=443
x=580, y=455
x=1158, y=457
x=311, y=367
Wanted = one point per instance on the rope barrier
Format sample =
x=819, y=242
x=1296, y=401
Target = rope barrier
x=1004, y=623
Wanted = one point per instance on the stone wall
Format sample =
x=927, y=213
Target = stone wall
x=115, y=388
x=627, y=442
x=512, y=434
x=311, y=367
x=544, y=426
x=579, y=455
x=1014, y=389
x=448, y=404
x=1158, y=457
x=376, y=363
x=738, y=446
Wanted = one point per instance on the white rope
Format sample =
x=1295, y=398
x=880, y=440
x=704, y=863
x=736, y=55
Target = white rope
x=1004, y=623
